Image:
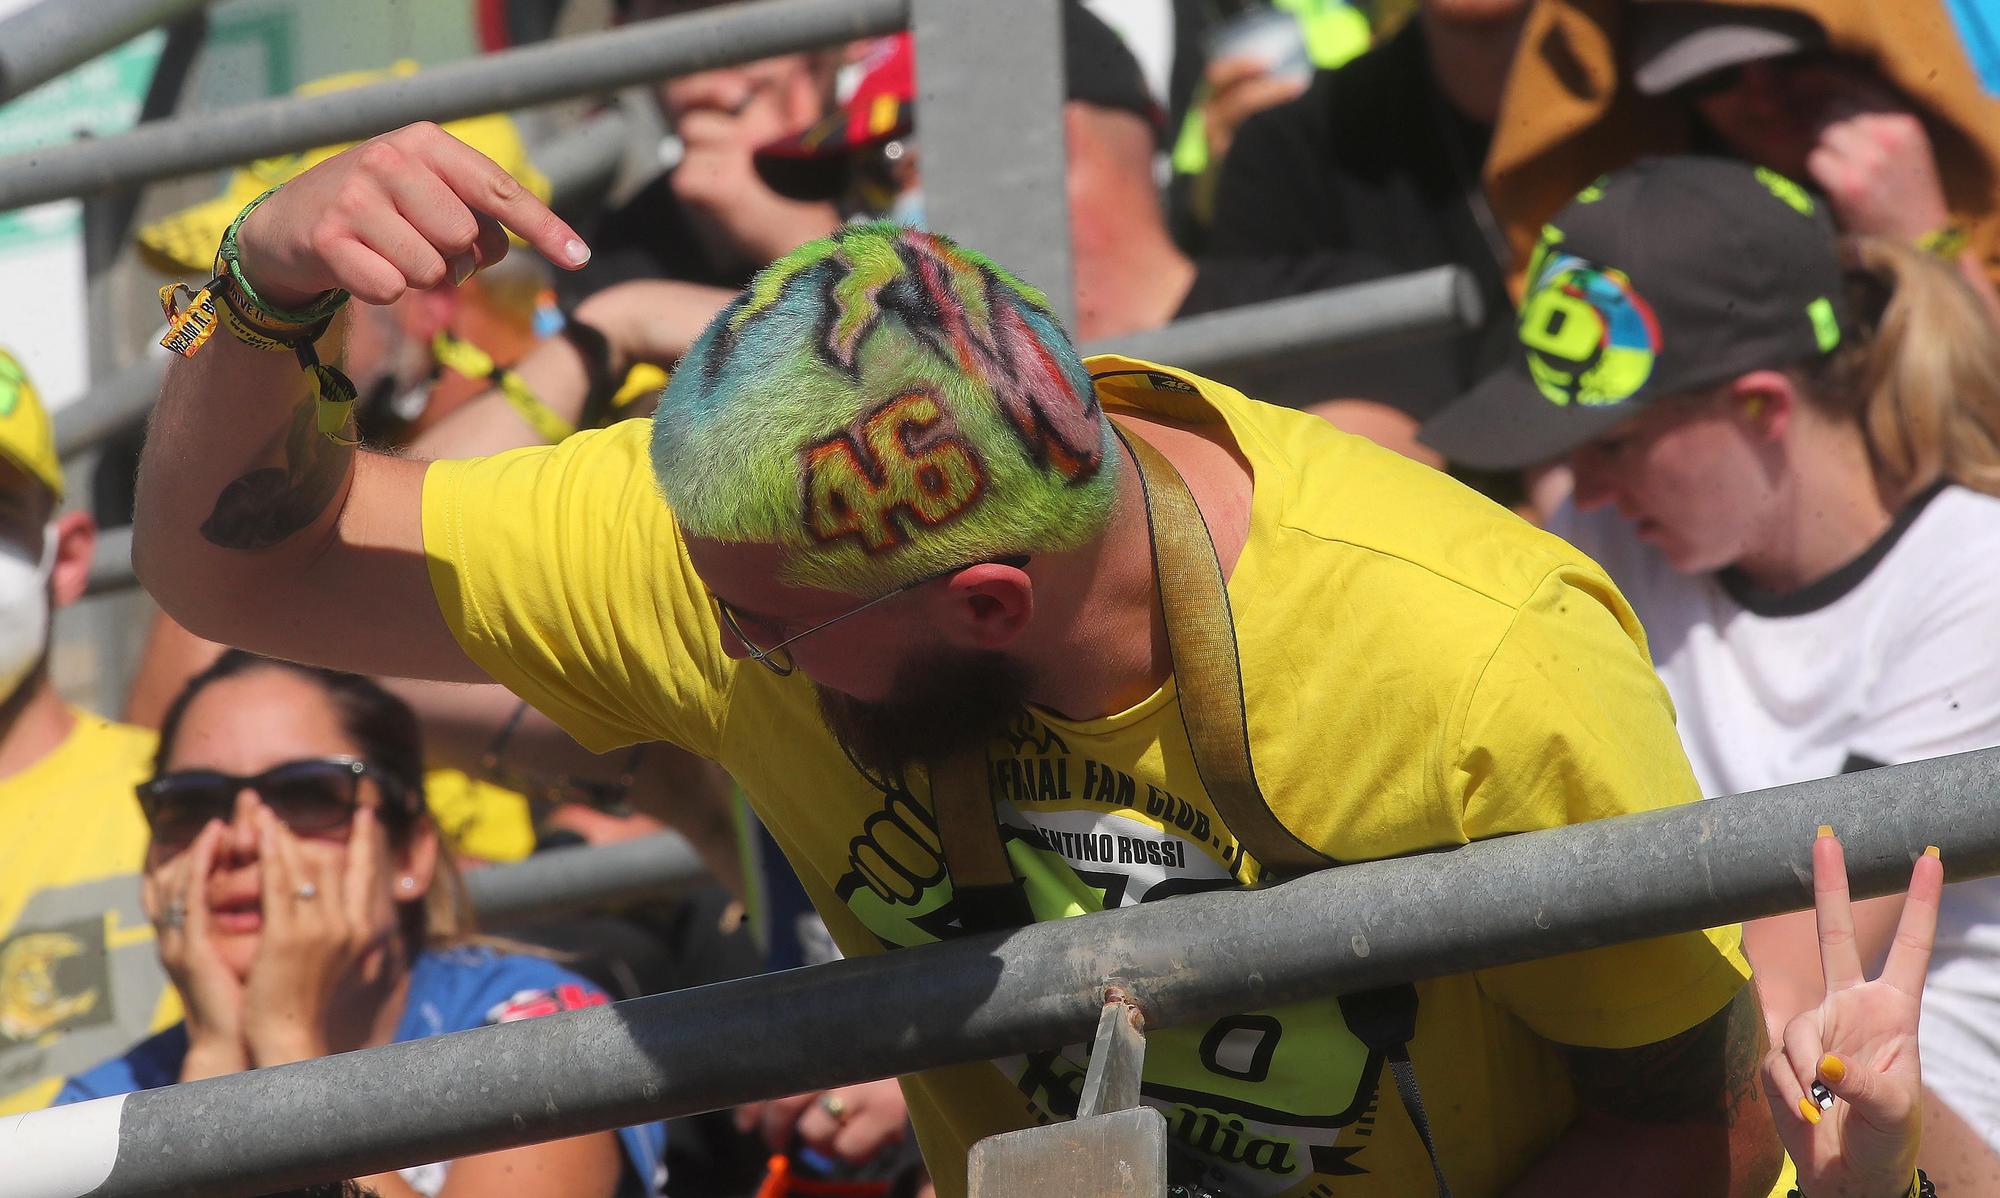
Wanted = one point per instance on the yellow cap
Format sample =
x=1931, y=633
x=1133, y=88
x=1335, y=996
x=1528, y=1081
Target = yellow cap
x=187, y=240
x=27, y=439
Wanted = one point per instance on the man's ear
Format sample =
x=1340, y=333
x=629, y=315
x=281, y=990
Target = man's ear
x=1766, y=401
x=985, y=606
x=76, y=543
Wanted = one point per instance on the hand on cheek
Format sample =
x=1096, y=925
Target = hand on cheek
x=176, y=898
x=329, y=925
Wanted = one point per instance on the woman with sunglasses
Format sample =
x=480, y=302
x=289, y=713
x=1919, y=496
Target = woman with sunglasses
x=304, y=907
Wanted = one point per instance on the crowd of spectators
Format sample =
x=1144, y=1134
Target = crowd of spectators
x=1740, y=268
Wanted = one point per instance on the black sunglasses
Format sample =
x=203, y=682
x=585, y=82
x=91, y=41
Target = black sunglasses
x=313, y=795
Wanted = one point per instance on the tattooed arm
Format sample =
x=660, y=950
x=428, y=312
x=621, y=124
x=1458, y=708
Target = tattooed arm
x=1682, y=1117
x=251, y=528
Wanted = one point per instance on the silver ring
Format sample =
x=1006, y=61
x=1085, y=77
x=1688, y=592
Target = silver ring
x=175, y=915
x=832, y=1105
x=308, y=891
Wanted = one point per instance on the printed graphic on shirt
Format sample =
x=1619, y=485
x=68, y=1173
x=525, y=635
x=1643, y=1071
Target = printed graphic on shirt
x=53, y=979
x=1274, y=1103
x=79, y=981
x=531, y=1004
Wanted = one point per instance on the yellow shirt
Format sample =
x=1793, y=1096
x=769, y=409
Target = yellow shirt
x=80, y=976
x=1421, y=669
x=477, y=818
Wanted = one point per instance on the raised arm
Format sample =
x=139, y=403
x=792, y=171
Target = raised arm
x=254, y=529
x=642, y=321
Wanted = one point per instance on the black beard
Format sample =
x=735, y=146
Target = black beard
x=942, y=706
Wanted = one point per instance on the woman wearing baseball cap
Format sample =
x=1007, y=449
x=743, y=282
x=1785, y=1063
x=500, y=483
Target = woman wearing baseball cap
x=1785, y=449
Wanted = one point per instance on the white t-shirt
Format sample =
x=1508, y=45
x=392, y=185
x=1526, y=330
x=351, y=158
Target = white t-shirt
x=1892, y=658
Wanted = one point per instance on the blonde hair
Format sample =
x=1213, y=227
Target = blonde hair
x=1921, y=373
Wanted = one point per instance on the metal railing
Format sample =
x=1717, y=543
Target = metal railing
x=43, y=41
x=513, y=79
x=562, y=882
x=1191, y=959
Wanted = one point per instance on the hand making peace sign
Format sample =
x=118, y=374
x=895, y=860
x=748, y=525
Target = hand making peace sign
x=1860, y=1043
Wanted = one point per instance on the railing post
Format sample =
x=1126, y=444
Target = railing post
x=1113, y=1148
x=990, y=113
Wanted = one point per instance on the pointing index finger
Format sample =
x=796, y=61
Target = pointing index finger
x=491, y=191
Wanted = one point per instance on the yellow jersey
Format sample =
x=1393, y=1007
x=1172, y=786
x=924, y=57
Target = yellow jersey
x=1421, y=669
x=80, y=975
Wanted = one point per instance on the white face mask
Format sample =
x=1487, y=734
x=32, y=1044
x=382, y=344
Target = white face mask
x=24, y=609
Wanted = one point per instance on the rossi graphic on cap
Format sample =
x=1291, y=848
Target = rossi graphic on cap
x=1590, y=338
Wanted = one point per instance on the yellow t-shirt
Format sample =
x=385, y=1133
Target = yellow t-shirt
x=478, y=819
x=1421, y=669
x=80, y=977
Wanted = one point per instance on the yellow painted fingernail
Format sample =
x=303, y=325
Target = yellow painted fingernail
x=1808, y=1110
x=1930, y=850
x=1832, y=1068
x=1826, y=830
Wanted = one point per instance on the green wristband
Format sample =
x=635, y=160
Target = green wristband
x=226, y=264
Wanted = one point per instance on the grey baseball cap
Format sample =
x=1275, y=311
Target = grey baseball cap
x=1663, y=278
x=1675, y=42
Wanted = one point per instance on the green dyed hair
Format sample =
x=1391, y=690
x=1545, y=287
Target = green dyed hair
x=886, y=405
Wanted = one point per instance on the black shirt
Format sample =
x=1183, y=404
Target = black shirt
x=649, y=236
x=1364, y=176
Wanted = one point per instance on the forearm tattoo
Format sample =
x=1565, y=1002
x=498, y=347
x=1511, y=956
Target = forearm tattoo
x=265, y=506
x=1702, y=1075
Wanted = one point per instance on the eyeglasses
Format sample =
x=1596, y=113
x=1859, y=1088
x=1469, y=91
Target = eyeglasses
x=312, y=795
x=778, y=659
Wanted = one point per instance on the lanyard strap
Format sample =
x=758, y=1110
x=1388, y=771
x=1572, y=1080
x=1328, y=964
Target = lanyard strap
x=1201, y=639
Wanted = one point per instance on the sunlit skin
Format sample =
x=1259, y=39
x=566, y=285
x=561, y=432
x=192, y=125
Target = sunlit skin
x=256, y=998
x=1749, y=474
x=244, y=725
x=1691, y=475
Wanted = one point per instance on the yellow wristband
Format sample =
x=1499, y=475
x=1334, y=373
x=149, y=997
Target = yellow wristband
x=540, y=417
x=456, y=354
x=246, y=332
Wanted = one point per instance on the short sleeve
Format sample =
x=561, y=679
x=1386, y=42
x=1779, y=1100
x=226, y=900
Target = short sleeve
x=1569, y=723
x=563, y=575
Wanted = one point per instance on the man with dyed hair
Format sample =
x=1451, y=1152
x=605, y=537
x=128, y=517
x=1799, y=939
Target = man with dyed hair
x=902, y=531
